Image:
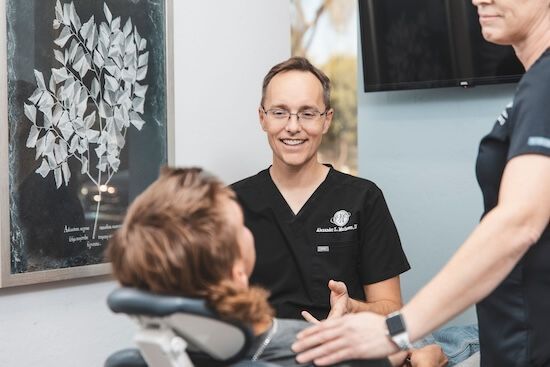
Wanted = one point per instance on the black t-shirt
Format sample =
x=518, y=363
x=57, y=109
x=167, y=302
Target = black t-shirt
x=514, y=320
x=343, y=232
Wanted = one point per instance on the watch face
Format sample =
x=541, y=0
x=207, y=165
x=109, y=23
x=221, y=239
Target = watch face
x=395, y=324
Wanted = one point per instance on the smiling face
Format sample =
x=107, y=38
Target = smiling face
x=510, y=22
x=294, y=143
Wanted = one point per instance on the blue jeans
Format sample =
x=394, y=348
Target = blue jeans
x=457, y=342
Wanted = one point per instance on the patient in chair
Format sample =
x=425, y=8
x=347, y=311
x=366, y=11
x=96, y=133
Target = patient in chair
x=185, y=235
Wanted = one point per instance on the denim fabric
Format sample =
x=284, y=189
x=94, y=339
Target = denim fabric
x=457, y=342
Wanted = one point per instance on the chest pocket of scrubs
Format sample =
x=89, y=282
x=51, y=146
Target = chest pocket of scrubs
x=338, y=261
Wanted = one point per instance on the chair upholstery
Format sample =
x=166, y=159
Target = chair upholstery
x=208, y=340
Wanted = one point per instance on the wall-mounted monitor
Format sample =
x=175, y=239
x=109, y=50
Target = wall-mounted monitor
x=414, y=44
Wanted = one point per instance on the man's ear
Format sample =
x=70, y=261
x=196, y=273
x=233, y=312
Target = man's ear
x=261, y=115
x=239, y=274
x=328, y=120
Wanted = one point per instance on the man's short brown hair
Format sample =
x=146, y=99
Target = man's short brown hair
x=300, y=64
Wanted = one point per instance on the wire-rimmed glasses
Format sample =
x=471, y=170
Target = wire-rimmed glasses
x=282, y=115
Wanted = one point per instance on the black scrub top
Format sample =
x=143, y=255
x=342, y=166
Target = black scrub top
x=343, y=232
x=514, y=320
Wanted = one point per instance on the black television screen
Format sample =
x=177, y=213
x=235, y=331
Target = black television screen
x=413, y=44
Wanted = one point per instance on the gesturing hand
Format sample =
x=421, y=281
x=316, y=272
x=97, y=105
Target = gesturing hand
x=339, y=302
x=339, y=299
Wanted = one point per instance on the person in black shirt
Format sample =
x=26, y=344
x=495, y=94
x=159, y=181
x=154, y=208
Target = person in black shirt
x=504, y=265
x=311, y=223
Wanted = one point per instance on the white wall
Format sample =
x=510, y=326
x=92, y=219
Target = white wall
x=222, y=51
x=420, y=147
x=60, y=324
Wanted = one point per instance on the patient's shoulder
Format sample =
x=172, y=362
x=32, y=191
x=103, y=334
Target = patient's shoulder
x=281, y=336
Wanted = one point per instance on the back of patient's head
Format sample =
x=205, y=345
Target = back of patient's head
x=176, y=239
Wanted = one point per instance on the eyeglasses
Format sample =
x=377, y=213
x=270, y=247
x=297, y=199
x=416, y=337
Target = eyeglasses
x=282, y=115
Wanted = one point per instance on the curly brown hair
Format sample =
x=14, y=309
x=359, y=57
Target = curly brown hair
x=176, y=239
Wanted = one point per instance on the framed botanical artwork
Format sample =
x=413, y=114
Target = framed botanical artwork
x=86, y=104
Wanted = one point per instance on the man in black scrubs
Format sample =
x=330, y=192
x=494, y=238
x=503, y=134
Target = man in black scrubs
x=311, y=223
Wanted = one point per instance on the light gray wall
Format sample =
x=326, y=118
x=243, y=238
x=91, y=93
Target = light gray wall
x=222, y=51
x=60, y=324
x=420, y=147
x=223, y=58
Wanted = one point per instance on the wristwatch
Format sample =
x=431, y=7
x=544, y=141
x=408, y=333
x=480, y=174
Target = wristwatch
x=397, y=331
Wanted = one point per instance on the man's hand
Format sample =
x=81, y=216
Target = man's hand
x=340, y=303
x=309, y=317
x=429, y=356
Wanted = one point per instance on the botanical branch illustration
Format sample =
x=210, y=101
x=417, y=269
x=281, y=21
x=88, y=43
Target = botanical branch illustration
x=91, y=100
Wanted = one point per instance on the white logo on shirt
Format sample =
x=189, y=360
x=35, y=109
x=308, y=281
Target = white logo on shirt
x=504, y=115
x=340, y=218
x=538, y=141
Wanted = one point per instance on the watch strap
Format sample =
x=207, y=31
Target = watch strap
x=397, y=331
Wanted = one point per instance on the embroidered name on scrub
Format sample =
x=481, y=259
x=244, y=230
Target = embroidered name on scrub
x=337, y=229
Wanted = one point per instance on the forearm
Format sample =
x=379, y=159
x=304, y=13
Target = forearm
x=381, y=307
x=484, y=260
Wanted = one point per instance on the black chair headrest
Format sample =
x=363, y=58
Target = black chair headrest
x=134, y=301
x=190, y=318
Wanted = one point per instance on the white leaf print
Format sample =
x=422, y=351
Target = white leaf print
x=143, y=59
x=91, y=99
x=44, y=169
x=39, y=147
x=115, y=24
x=84, y=169
x=136, y=120
x=58, y=177
x=58, y=11
x=66, y=15
x=33, y=137
x=141, y=73
x=39, y=80
x=30, y=112
x=75, y=20
x=63, y=37
x=37, y=94
x=110, y=83
x=87, y=28
x=60, y=75
x=138, y=104
x=107, y=12
x=66, y=172
x=89, y=120
x=140, y=90
x=127, y=27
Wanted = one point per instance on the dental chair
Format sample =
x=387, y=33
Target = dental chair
x=178, y=332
